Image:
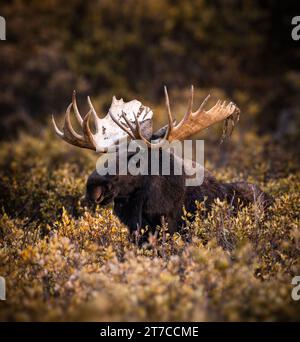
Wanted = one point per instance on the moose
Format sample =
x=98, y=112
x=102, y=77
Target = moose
x=142, y=201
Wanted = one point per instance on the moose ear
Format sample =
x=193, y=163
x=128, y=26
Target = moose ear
x=160, y=133
x=147, y=129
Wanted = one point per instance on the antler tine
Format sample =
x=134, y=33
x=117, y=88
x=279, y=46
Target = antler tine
x=57, y=130
x=76, y=111
x=128, y=122
x=68, y=129
x=200, y=109
x=170, y=118
x=94, y=113
x=87, y=131
x=115, y=120
x=139, y=131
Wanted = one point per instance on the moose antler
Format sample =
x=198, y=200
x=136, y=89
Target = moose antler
x=191, y=123
x=86, y=140
x=107, y=134
x=195, y=122
x=137, y=123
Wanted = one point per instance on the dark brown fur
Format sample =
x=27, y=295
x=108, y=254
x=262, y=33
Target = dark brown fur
x=141, y=201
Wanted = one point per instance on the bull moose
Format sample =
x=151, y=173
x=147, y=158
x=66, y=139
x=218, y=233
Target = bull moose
x=143, y=200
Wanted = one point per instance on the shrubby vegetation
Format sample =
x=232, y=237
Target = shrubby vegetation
x=63, y=261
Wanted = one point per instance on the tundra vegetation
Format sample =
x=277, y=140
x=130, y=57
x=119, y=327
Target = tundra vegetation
x=63, y=261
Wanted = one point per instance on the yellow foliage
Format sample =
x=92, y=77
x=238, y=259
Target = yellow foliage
x=63, y=261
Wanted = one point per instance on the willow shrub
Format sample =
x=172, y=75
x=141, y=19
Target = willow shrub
x=63, y=261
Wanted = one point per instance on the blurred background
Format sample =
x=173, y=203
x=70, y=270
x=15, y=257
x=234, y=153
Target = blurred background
x=241, y=50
